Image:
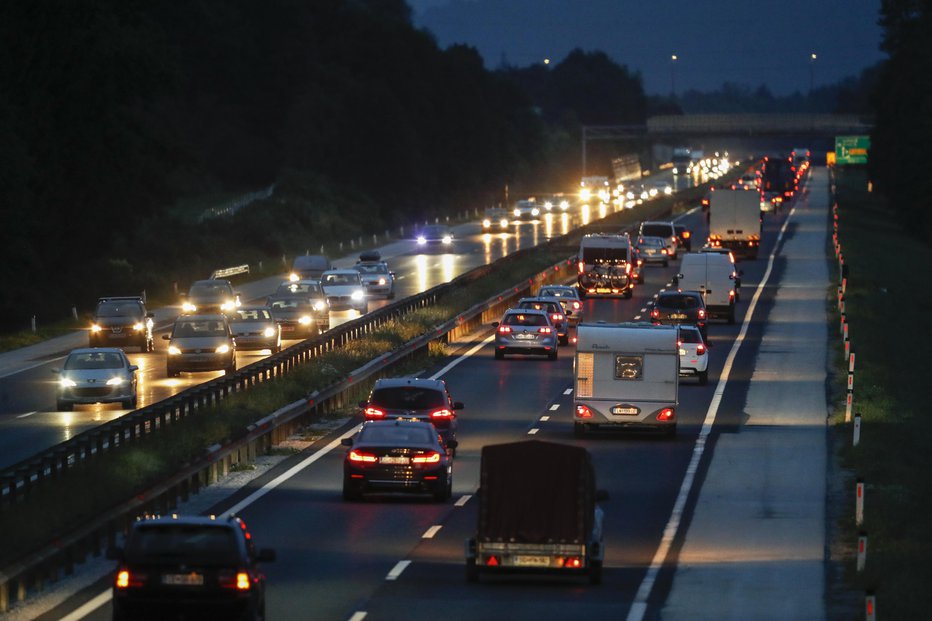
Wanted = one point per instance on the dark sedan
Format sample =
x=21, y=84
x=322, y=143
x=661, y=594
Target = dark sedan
x=680, y=307
x=398, y=456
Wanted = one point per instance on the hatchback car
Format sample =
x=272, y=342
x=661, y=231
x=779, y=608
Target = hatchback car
x=200, y=343
x=525, y=332
x=376, y=276
x=664, y=230
x=122, y=321
x=98, y=375
x=678, y=308
x=210, y=296
x=426, y=400
x=569, y=298
x=652, y=250
x=344, y=290
x=198, y=567
x=295, y=316
x=310, y=291
x=434, y=234
x=254, y=328
x=555, y=310
x=694, y=355
x=398, y=456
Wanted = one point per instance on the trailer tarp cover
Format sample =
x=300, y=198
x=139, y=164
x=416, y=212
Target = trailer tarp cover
x=536, y=492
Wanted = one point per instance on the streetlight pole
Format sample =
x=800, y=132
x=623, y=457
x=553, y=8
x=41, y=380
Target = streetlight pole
x=812, y=59
x=673, y=60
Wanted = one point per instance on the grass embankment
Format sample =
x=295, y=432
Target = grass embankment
x=887, y=307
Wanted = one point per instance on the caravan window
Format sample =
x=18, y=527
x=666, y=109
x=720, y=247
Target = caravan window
x=628, y=367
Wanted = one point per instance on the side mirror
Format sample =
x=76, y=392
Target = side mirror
x=346, y=441
x=601, y=495
x=114, y=553
x=166, y=337
x=265, y=555
x=150, y=315
x=740, y=272
x=676, y=279
x=458, y=405
x=133, y=367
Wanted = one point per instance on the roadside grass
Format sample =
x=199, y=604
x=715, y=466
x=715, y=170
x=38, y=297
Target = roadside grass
x=26, y=337
x=114, y=477
x=887, y=308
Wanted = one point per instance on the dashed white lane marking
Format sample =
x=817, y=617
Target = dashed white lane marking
x=26, y=414
x=555, y=406
x=637, y=317
x=430, y=532
x=397, y=570
x=463, y=500
x=359, y=615
x=639, y=607
x=533, y=431
x=656, y=295
x=544, y=419
x=644, y=310
x=568, y=391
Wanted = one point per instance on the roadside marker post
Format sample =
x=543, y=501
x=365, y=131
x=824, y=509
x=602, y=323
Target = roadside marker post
x=862, y=551
x=848, y=403
x=870, y=606
x=857, y=429
x=859, y=503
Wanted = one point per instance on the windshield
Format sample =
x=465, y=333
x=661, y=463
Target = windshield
x=558, y=293
x=520, y=319
x=407, y=398
x=396, y=435
x=690, y=336
x=119, y=309
x=196, y=544
x=340, y=279
x=253, y=314
x=372, y=268
x=94, y=360
x=199, y=327
x=210, y=290
x=657, y=230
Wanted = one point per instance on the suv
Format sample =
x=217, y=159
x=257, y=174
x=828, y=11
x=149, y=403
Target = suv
x=553, y=307
x=426, y=400
x=202, y=567
x=210, y=296
x=122, y=321
x=666, y=230
x=680, y=307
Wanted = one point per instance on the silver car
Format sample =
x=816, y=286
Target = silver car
x=98, y=375
x=569, y=299
x=653, y=250
x=254, y=328
x=525, y=332
x=344, y=290
x=377, y=278
x=200, y=343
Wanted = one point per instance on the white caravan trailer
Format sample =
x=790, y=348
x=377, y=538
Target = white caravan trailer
x=626, y=375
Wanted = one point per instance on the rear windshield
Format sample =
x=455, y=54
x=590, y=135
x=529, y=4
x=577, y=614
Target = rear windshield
x=657, y=230
x=407, y=398
x=400, y=435
x=519, y=319
x=199, y=327
x=549, y=307
x=119, y=309
x=195, y=544
x=211, y=289
x=690, y=336
x=94, y=360
x=372, y=268
x=605, y=255
x=298, y=288
x=679, y=302
x=558, y=293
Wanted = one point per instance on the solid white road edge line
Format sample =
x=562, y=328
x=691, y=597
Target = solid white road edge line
x=27, y=414
x=639, y=606
x=469, y=353
x=399, y=567
x=359, y=615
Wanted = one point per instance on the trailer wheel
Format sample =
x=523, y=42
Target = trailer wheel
x=499, y=354
x=595, y=572
x=472, y=570
x=552, y=355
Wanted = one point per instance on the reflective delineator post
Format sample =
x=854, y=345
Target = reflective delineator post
x=848, y=403
x=862, y=551
x=859, y=503
x=847, y=347
x=851, y=361
x=841, y=326
x=870, y=606
x=844, y=285
x=844, y=332
x=857, y=429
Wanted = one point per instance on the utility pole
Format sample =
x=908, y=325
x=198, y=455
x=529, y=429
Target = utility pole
x=812, y=59
x=673, y=60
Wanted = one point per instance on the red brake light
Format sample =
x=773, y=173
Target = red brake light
x=361, y=457
x=663, y=251
x=666, y=414
x=701, y=313
x=545, y=330
x=573, y=562
x=582, y=267
x=700, y=349
x=731, y=294
x=427, y=458
x=655, y=313
x=627, y=268
x=492, y=562
x=557, y=317
x=686, y=234
x=443, y=413
x=583, y=411
x=372, y=412
x=242, y=581
x=504, y=329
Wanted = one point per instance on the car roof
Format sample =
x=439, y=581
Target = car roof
x=525, y=311
x=192, y=520
x=418, y=382
x=348, y=270
x=91, y=350
x=213, y=317
x=121, y=298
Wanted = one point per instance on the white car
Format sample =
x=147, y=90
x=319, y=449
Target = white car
x=569, y=299
x=377, y=278
x=694, y=354
x=96, y=375
x=344, y=290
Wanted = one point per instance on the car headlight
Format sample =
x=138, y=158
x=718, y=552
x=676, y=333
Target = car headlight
x=585, y=194
x=269, y=332
x=228, y=305
x=293, y=277
x=486, y=223
x=188, y=307
x=357, y=295
x=503, y=222
x=67, y=383
x=421, y=240
x=381, y=281
x=223, y=349
x=304, y=320
x=174, y=350
x=95, y=328
x=447, y=239
x=564, y=205
x=517, y=212
x=115, y=381
x=535, y=212
x=319, y=305
x=139, y=326
x=548, y=205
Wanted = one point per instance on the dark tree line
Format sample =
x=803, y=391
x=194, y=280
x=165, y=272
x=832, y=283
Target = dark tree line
x=900, y=142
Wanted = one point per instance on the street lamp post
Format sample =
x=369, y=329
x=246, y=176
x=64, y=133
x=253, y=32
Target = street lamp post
x=673, y=60
x=812, y=59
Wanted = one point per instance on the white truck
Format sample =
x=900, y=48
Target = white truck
x=626, y=375
x=714, y=276
x=734, y=221
x=605, y=264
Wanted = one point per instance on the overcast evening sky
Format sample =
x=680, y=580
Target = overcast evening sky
x=743, y=41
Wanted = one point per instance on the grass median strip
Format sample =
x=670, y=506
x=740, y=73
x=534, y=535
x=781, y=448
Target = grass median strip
x=887, y=308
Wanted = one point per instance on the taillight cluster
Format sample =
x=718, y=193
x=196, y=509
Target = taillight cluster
x=666, y=414
x=583, y=411
x=655, y=313
x=373, y=412
x=432, y=457
x=576, y=305
x=700, y=349
x=126, y=579
x=557, y=317
x=240, y=581
x=361, y=457
x=504, y=329
x=544, y=330
x=701, y=313
x=442, y=413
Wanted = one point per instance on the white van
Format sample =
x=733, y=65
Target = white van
x=604, y=264
x=714, y=276
x=626, y=375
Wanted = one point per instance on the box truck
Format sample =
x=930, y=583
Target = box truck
x=734, y=221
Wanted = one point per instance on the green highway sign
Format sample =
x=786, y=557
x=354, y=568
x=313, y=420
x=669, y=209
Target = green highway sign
x=852, y=149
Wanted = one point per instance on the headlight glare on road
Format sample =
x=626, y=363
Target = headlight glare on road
x=269, y=333
x=115, y=381
x=304, y=320
x=174, y=350
x=223, y=349
x=67, y=383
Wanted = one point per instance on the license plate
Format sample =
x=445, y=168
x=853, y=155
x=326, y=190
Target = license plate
x=601, y=290
x=628, y=411
x=287, y=328
x=192, y=579
x=682, y=352
x=524, y=560
x=524, y=336
x=198, y=357
x=677, y=316
x=388, y=459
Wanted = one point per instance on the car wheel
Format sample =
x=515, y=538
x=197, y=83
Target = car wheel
x=171, y=372
x=391, y=294
x=499, y=354
x=565, y=340
x=703, y=377
x=64, y=406
x=595, y=572
x=553, y=355
x=731, y=314
x=472, y=570
x=582, y=293
x=628, y=293
x=666, y=263
x=444, y=494
x=640, y=279
x=670, y=431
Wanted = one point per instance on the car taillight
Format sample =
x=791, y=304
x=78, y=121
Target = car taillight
x=372, y=412
x=504, y=330
x=627, y=268
x=544, y=330
x=700, y=349
x=666, y=414
x=125, y=579
x=731, y=294
x=241, y=580
x=686, y=234
x=362, y=458
x=442, y=413
x=557, y=317
x=583, y=411
x=426, y=458
x=655, y=313
x=572, y=562
x=576, y=305
x=582, y=267
x=663, y=251
x=701, y=313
